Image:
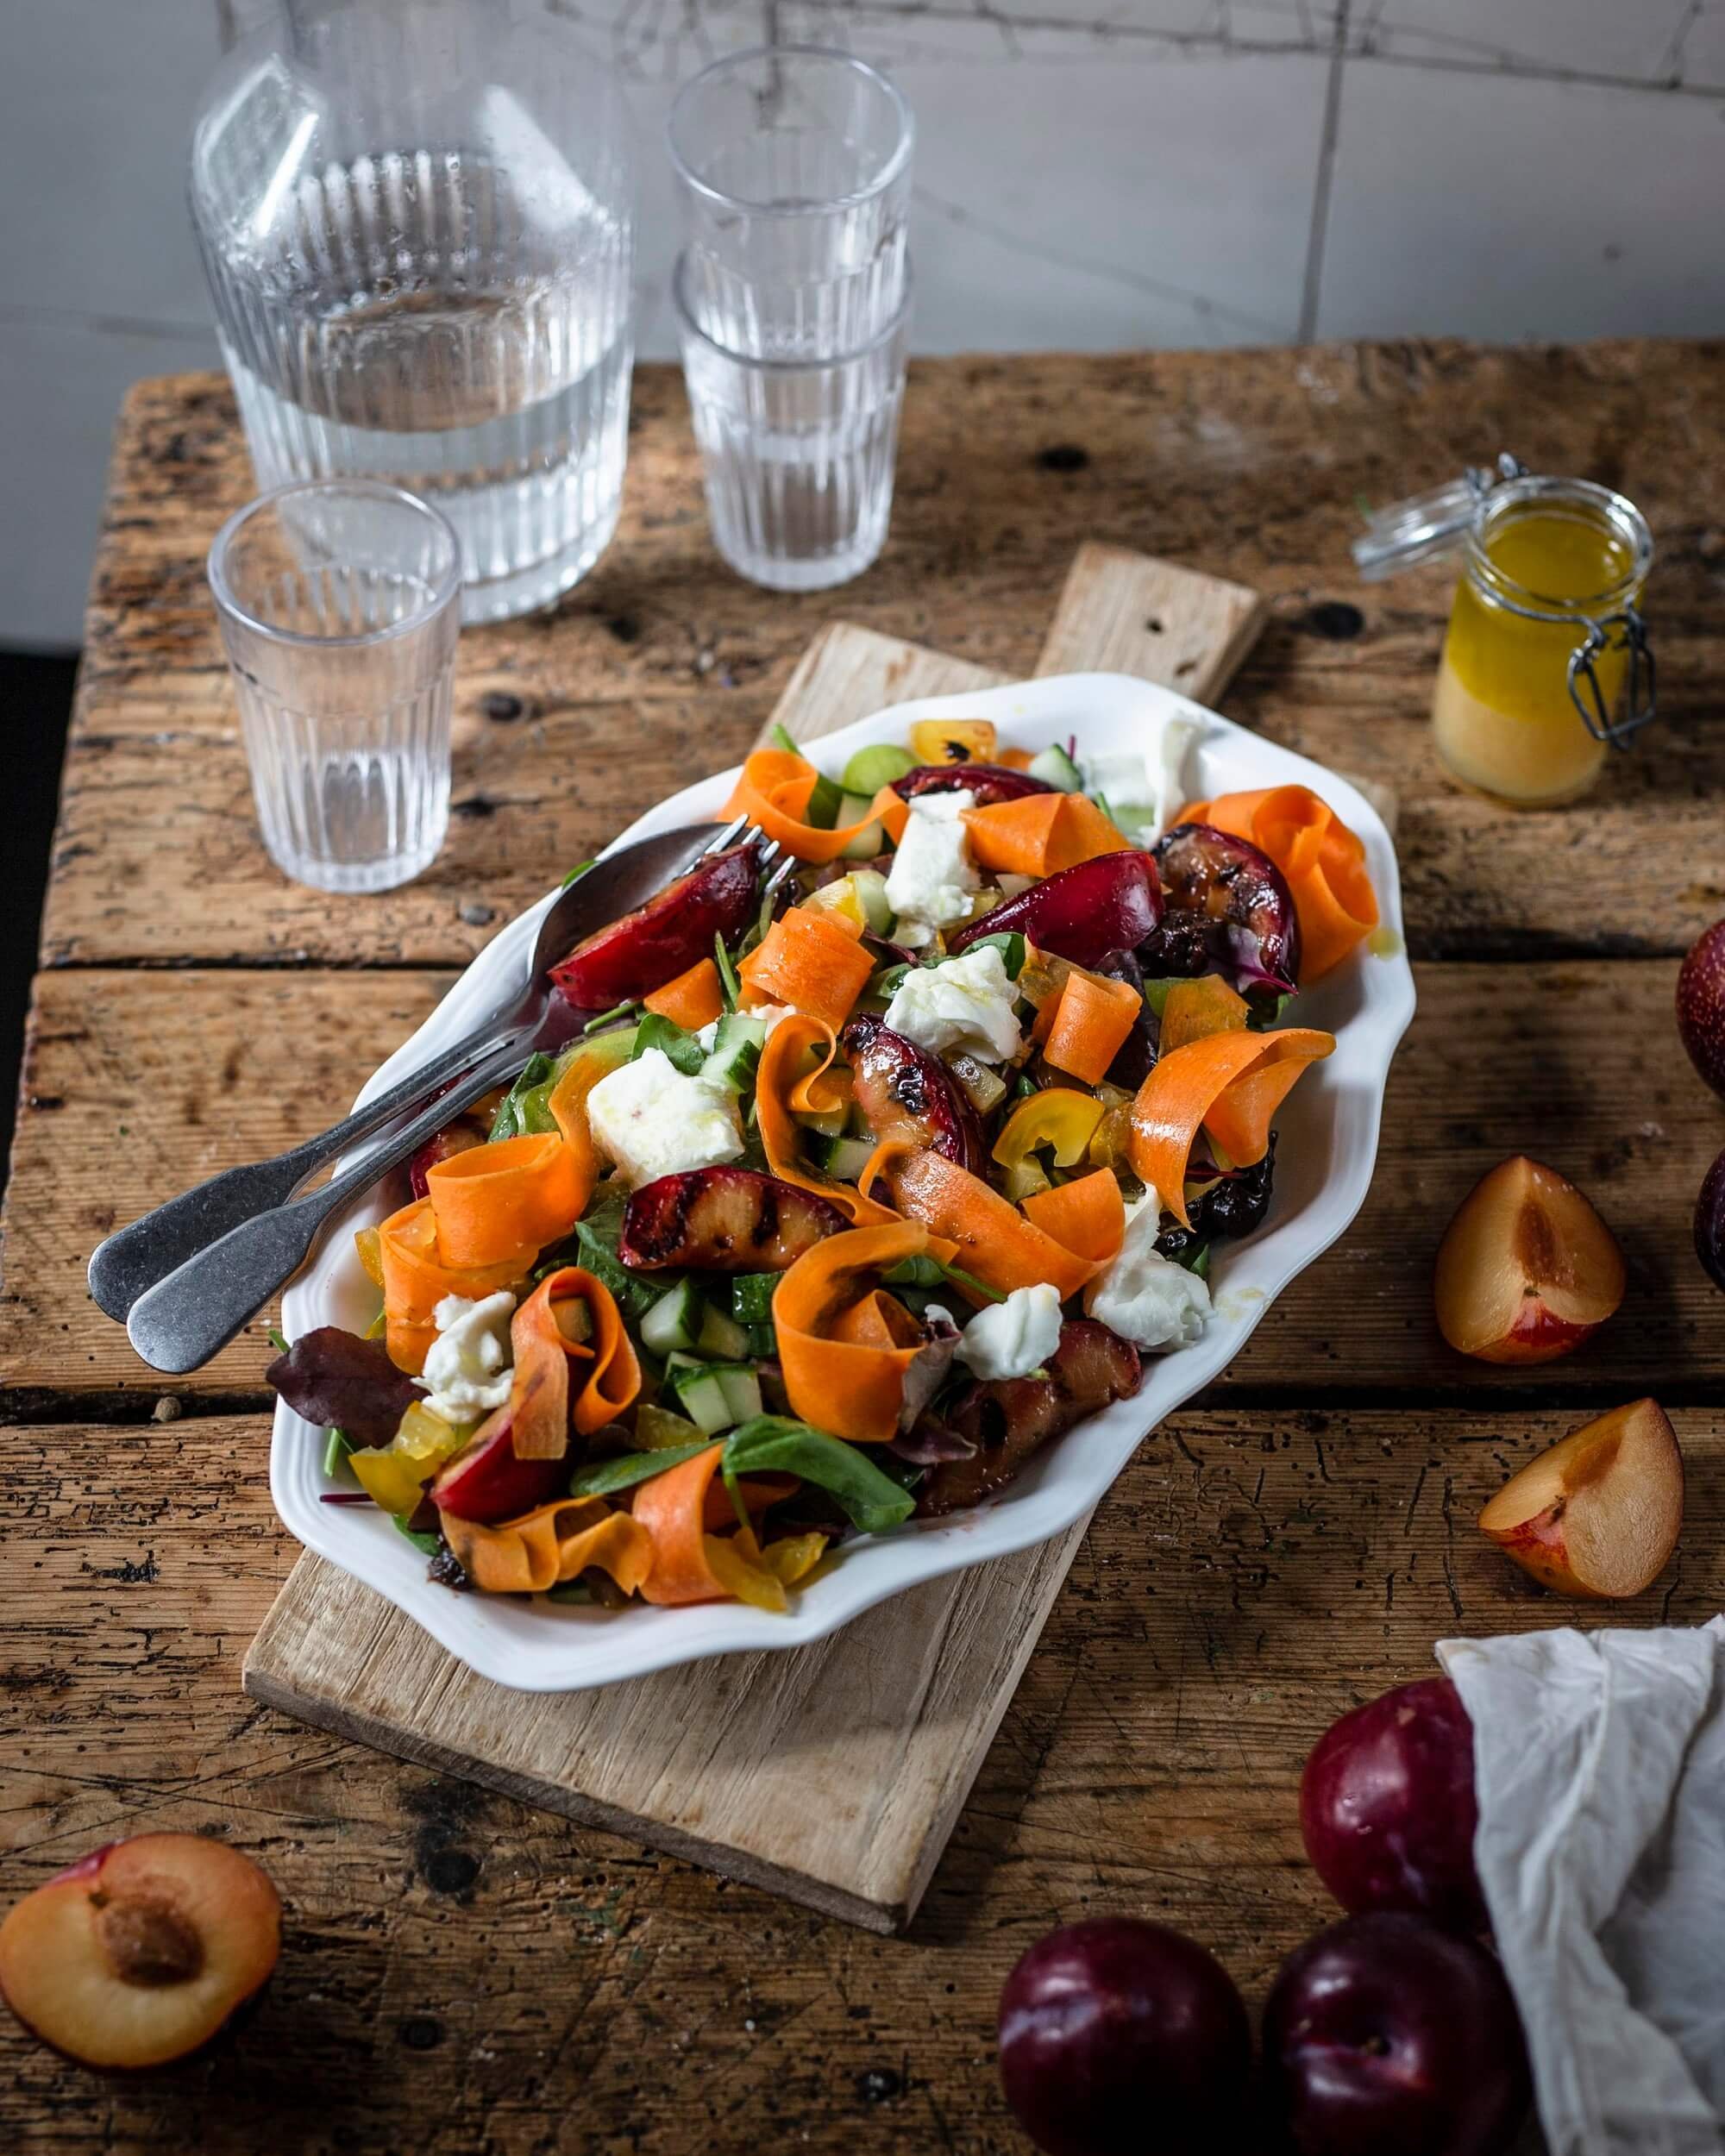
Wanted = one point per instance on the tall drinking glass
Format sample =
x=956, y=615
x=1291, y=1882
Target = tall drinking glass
x=417, y=221
x=792, y=298
x=339, y=605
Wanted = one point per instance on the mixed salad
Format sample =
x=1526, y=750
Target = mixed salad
x=852, y=1189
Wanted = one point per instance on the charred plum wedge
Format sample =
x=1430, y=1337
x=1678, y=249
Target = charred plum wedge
x=724, y=1221
x=908, y=1094
x=1008, y=1420
x=1256, y=934
x=666, y=936
x=485, y=1481
x=988, y=782
x=459, y=1136
x=1111, y=903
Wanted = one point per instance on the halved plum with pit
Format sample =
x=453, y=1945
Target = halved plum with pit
x=486, y=1482
x=988, y=782
x=1113, y=903
x=666, y=936
x=907, y=1094
x=1008, y=1420
x=724, y=1221
x=1242, y=900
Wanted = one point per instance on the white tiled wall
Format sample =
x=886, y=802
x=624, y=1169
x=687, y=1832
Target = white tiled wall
x=1091, y=174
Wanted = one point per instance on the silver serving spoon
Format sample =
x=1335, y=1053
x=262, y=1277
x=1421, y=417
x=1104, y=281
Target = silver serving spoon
x=188, y=1275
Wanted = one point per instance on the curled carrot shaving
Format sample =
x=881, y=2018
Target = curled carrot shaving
x=844, y=1354
x=507, y=1201
x=810, y=961
x=993, y=1238
x=554, y=1543
x=1039, y=834
x=774, y=791
x=671, y=1507
x=693, y=999
x=594, y=1059
x=416, y=1278
x=1323, y=860
x=1195, y=1008
x=1086, y=1217
x=539, y=1404
x=756, y=1492
x=1212, y=1083
x=1087, y=1024
x=1014, y=759
x=780, y=1085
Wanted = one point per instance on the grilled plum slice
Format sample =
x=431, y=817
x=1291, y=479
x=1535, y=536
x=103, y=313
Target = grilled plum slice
x=485, y=1481
x=1242, y=892
x=908, y=1094
x=1010, y=1419
x=724, y=1221
x=988, y=782
x=666, y=936
x=1113, y=903
x=459, y=1136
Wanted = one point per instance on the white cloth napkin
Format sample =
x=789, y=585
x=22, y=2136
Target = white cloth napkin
x=1599, y=1764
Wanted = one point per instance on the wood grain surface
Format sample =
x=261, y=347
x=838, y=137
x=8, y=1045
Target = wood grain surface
x=466, y=1974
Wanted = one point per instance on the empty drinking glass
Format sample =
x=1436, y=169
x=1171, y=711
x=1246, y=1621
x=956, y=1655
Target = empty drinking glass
x=339, y=605
x=417, y=221
x=796, y=455
x=796, y=172
x=793, y=299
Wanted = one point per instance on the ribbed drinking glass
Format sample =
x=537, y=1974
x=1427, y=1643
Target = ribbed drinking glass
x=417, y=221
x=339, y=605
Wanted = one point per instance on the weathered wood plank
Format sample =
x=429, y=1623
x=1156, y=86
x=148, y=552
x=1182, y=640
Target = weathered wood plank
x=462, y=1972
x=1123, y=613
x=663, y=666
x=1578, y=1064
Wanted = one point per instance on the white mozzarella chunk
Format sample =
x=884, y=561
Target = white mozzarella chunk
x=468, y=1372
x=1177, y=736
x=652, y=1120
x=1146, y=1297
x=1013, y=1337
x=964, y=1002
x=933, y=875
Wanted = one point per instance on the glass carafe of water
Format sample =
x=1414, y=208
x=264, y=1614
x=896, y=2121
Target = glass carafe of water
x=417, y=220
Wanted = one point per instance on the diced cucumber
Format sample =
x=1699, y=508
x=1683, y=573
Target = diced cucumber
x=714, y=1395
x=870, y=840
x=878, y=765
x=829, y=1123
x=1024, y=1178
x=985, y=1087
x=752, y=1296
x=871, y=891
x=1055, y=768
x=764, y=1342
x=673, y=1325
x=1121, y=778
x=720, y=1337
x=845, y=1158
x=741, y=1389
x=736, y=1052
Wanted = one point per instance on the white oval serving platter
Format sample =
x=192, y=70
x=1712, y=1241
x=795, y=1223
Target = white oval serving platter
x=1324, y=1162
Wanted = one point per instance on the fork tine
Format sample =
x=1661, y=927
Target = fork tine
x=778, y=876
x=728, y=835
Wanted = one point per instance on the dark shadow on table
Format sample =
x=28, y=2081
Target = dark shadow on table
x=35, y=697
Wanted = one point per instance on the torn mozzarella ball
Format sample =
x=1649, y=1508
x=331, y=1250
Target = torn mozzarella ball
x=933, y=875
x=468, y=1372
x=1013, y=1337
x=964, y=1002
x=653, y=1120
x=1146, y=1297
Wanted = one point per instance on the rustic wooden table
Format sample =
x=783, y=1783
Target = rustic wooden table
x=461, y=1974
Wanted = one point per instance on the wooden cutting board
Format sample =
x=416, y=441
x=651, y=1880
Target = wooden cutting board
x=833, y=1773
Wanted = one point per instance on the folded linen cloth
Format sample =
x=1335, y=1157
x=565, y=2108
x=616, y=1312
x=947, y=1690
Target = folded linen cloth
x=1599, y=1765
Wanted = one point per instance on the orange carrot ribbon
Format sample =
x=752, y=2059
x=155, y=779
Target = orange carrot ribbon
x=992, y=1239
x=1323, y=860
x=693, y=999
x=1039, y=834
x=812, y=962
x=773, y=792
x=507, y=1201
x=1087, y=1024
x=416, y=1278
x=845, y=1344
x=671, y=1507
x=551, y=1545
x=1230, y=1084
x=780, y=1085
x=539, y=1403
x=1086, y=1217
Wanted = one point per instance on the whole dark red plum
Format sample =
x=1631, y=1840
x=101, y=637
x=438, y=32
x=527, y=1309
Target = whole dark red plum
x=1387, y=1807
x=1701, y=1006
x=1122, y=2038
x=1709, y=1223
x=1385, y=2036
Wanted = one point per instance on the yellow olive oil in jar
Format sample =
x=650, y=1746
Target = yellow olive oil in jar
x=1546, y=663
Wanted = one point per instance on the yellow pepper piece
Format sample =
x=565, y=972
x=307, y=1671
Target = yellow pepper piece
x=749, y=1582
x=1059, y=1116
x=933, y=740
x=370, y=1248
x=393, y=1475
x=842, y=898
x=1196, y=1009
x=792, y=1558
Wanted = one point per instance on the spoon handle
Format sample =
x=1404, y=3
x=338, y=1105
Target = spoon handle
x=133, y=1258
